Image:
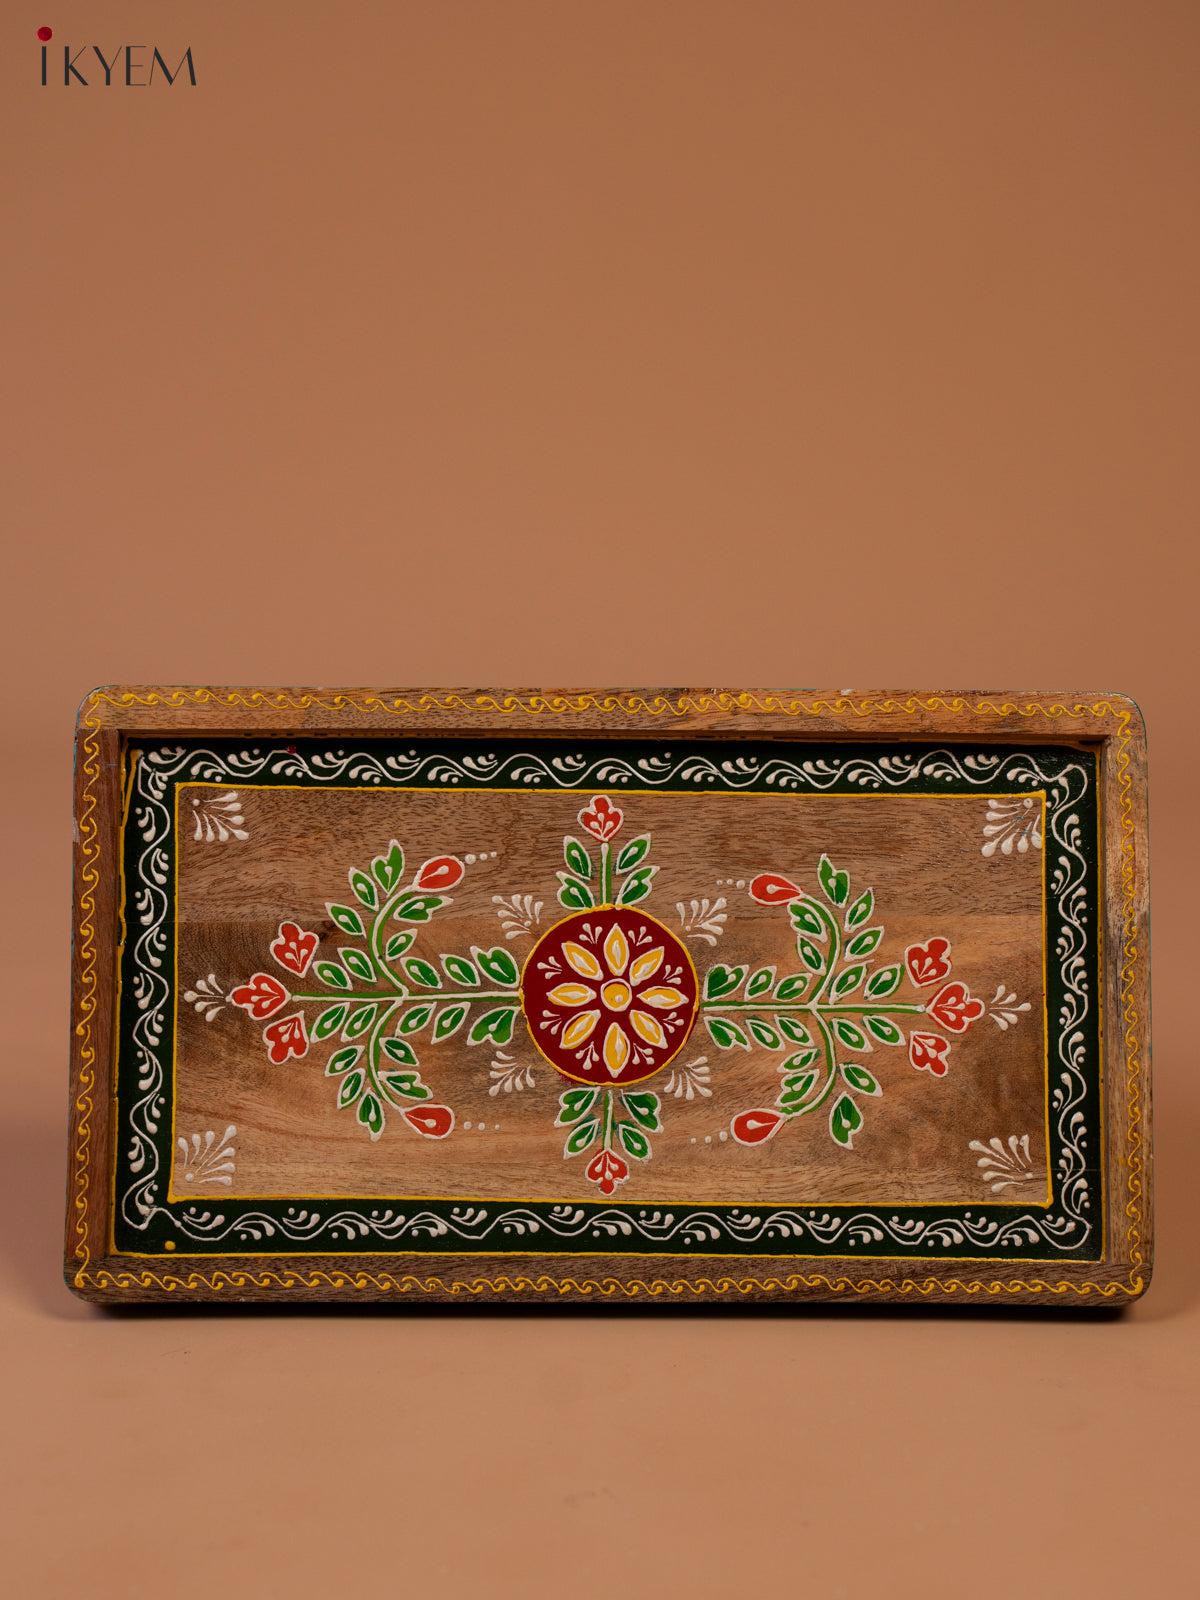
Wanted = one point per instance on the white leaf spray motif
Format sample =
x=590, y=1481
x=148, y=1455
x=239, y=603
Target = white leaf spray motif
x=690, y=1081
x=218, y=817
x=1004, y=1010
x=1014, y=821
x=518, y=915
x=1002, y=1168
x=208, y=997
x=210, y=1160
x=703, y=919
x=508, y=1074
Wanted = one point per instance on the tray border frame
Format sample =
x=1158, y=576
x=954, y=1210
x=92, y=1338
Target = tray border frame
x=1110, y=723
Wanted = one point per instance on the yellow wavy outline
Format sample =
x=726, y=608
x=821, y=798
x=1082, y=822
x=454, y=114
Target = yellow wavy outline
x=632, y=705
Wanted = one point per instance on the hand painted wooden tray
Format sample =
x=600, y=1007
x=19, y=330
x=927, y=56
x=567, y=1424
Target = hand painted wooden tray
x=677, y=995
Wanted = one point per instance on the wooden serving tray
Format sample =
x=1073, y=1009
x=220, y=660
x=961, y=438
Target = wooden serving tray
x=675, y=995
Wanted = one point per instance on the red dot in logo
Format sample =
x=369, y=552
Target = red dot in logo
x=45, y=33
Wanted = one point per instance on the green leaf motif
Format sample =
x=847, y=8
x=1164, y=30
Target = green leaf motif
x=864, y=943
x=498, y=965
x=449, y=1021
x=349, y=1090
x=884, y=1029
x=860, y=911
x=643, y=1107
x=635, y=1141
x=406, y=1085
x=413, y=1021
x=418, y=907
x=845, y=1120
x=496, y=1025
x=760, y=982
x=360, y=1021
x=793, y=988
x=580, y=1137
x=347, y=919
x=461, y=970
x=389, y=870
x=807, y=920
x=358, y=962
x=721, y=981
x=636, y=886
x=847, y=981
x=401, y=1051
x=364, y=888
x=636, y=850
x=802, y=1059
x=577, y=858
x=859, y=1078
x=398, y=944
x=850, y=1036
x=574, y=893
x=575, y=1103
x=421, y=972
x=341, y=1060
x=328, y=1023
x=370, y=1114
x=835, y=884
x=726, y=1033
x=333, y=974
x=795, y=1091
x=883, y=983
x=764, y=1034
x=810, y=955
x=793, y=1030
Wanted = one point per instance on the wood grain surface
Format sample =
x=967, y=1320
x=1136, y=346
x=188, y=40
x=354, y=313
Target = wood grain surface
x=920, y=854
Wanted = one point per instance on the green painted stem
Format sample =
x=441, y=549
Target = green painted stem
x=831, y=1076
x=377, y=926
x=373, y=1047
x=436, y=995
x=812, y=1006
x=835, y=946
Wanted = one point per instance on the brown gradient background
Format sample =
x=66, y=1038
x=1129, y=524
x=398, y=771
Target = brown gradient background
x=640, y=343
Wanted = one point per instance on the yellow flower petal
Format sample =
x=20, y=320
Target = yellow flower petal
x=571, y=995
x=577, y=1030
x=662, y=999
x=616, y=1049
x=646, y=966
x=582, y=960
x=616, y=950
x=646, y=1025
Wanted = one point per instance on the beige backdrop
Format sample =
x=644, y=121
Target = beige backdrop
x=622, y=341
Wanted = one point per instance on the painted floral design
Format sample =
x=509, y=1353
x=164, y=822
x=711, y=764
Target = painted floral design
x=609, y=996
x=837, y=1002
x=376, y=994
x=1013, y=822
x=609, y=999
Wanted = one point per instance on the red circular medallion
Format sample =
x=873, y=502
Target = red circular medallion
x=609, y=996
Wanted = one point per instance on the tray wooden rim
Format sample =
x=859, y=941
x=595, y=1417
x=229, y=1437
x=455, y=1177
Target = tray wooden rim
x=1109, y=722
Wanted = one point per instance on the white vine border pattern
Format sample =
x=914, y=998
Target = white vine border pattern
x=1065, y=1227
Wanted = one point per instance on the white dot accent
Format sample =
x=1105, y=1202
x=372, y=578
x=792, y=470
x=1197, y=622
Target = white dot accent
x=470, y=860
x=466, y=1124
x=741, y=883
x=708, y=1138
x=723, y=1135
